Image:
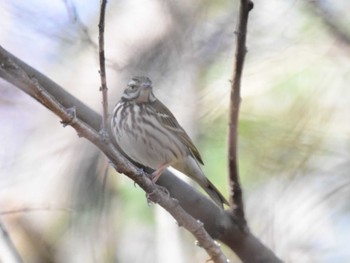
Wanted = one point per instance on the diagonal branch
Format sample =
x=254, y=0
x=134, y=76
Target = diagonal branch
x=217, y=222
x=235, y=188
x=9, y=70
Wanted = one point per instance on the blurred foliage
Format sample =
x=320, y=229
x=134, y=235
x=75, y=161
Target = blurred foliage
x=293, y=132
x=133, y=203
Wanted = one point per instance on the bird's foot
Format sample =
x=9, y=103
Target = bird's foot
x=157, y=173
x=149, y=195
x=73, y=116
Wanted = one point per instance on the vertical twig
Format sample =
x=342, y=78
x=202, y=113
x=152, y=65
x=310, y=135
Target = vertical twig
x=235, y=188
x=103, y=88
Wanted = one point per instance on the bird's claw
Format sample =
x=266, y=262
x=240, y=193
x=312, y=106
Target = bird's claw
x=104, y=135
x=161, y=188
x=164, y=189
x=73, y=116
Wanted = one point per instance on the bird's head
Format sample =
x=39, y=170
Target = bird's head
x=139, y=90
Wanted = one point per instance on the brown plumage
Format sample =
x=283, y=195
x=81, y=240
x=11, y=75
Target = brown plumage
x=149, y=133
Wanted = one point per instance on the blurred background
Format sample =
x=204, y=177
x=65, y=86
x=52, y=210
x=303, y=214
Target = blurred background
x=57, y=204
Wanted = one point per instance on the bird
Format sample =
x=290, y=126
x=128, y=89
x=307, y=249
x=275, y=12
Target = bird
x=149, y=134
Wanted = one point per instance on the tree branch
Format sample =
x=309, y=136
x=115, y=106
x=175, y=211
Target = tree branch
x=217, y=222
x=103, y=89
x=13, y=71
x=235, y=188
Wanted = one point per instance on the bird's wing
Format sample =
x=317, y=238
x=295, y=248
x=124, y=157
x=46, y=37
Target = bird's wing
x=169, y=121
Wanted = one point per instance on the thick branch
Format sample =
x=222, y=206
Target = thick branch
x=235, y=188
x=11, y=71
x=218, y=223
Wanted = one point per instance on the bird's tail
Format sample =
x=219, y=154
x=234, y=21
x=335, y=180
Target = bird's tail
x=192, y=169
x=214, y=193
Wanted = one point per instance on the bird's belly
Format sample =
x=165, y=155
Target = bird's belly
x=148, y=146
x=139, y=151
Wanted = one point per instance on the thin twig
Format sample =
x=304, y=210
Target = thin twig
x=103, y=88
x=122, y=165
x=235, y=188
x=16, y=257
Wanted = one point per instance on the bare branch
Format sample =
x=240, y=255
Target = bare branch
x=104, y=90
x=122, y=165
x=235, y=188
x=217, y=222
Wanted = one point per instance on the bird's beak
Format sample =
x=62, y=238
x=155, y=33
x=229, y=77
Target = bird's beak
x=132, y=83
x=147, y=85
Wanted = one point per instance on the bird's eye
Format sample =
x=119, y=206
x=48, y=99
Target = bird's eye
x=132, y=87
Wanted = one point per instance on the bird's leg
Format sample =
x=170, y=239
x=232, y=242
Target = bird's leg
x=157, y=173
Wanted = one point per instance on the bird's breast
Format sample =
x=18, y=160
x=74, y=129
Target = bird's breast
x=143, y=138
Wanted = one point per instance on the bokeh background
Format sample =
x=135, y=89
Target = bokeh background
x=58, y=204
